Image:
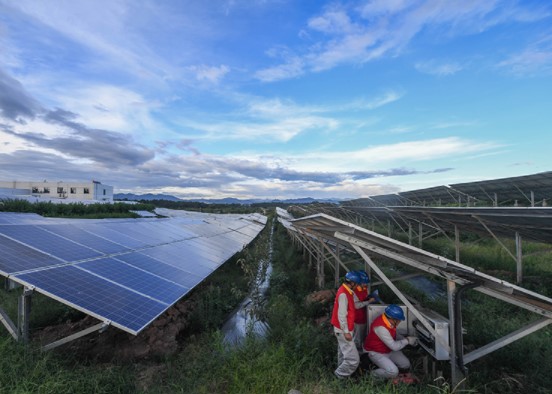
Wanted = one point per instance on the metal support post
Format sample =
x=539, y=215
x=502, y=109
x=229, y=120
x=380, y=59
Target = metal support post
x=519, y=259
x=320, y=265
x=457, y=242
x=23, y=314
x=455, y=373
x=409, y=233
x=337, y=252
x=420, y=234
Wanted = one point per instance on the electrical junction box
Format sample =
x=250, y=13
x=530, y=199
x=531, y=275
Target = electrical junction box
x=438, y=346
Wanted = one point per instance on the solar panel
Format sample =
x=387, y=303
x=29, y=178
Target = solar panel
x=96, y=296
x=16, y=257
x=133, y=278
x=81, y=236
x=163, y=270
x=49, y=243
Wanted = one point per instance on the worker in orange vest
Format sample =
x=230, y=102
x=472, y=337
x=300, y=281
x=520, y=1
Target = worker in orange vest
x=384, y=345
x=362, y=299
x=343, y=320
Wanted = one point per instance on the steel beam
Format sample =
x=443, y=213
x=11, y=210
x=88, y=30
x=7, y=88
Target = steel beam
x=86, y=331
x=506, y=340
x=8, y=323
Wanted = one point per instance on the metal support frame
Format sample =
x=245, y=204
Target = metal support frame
x=518, y=258
x=395, y=290
x=98, y=327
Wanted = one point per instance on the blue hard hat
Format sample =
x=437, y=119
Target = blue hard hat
x=353, y=276
x=395, y=312
x=364, y=278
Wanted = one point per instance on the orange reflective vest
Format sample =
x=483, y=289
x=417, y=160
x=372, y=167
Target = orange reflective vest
x=360, y=314
x=350, y=308
x=373, y=343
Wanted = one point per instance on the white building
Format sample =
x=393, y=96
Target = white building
x=93, y=190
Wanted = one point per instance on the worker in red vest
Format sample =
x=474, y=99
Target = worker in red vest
x=384, y=345
x=362, y=300
x=343, y=320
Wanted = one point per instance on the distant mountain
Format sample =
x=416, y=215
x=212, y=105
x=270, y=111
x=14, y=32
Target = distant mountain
x=147, y=197
x=150, y=196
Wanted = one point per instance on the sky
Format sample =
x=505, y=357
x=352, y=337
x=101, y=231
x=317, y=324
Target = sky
x=274, y=98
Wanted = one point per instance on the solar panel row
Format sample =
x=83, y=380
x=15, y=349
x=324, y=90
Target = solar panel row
x=124, y=271
x=527, y=190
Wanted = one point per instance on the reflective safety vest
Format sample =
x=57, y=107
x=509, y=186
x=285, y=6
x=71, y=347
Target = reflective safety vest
x=343, y=289
x=373, y=343
x=360, y=314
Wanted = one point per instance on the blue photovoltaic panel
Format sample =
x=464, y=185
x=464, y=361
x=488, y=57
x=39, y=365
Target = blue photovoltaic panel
x=97, y=296
x=84, y=238
x=113, y=235
x=18, y=218
x=185, y=261
x=156, y=267
x=16, y=257
x=49, y=243
x=136, y=279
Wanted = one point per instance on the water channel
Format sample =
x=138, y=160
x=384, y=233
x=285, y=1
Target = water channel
x=245, y=320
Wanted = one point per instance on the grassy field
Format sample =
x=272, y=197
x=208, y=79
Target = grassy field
x=299, y=351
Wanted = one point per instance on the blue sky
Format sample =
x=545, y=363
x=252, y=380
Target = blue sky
x=274, y=98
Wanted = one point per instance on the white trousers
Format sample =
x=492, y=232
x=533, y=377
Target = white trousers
x=347, y=356
x=388, y=363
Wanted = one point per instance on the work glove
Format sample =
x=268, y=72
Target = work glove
x=412, y=341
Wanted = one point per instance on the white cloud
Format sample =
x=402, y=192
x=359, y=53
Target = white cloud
x=399, y=153
x=211, y=74
x=439, y=69
x=368, y=32
x=535, y=59
x=292, y=68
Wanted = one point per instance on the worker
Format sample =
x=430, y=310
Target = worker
x=362, y=299
x=343, y=320
x=384, y=345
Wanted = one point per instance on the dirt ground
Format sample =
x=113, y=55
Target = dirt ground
x=158, y=340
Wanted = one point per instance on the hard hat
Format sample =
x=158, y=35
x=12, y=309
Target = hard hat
x=353, y=276
x=364, y=278
x=395, y=312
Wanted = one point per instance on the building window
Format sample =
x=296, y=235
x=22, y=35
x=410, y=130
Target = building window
x=46, y=190
x=86, y=190
x=35, y=189
x=60, y=190
x=73, y=190
x=104, y=191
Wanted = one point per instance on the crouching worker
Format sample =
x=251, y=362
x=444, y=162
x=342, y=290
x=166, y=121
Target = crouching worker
x=343, y=320
x=384, y=345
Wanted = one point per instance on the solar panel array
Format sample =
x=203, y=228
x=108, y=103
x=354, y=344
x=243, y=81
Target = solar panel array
x=124, y=271
x=535, y=189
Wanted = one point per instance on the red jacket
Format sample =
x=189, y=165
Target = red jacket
x=360, y=314
x=343, y=289
x=373, y=343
